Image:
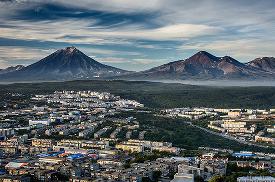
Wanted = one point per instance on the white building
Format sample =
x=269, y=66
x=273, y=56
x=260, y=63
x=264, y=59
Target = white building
x=181, y=177
x=256, y=179
x=35, y=122
x=271, y=130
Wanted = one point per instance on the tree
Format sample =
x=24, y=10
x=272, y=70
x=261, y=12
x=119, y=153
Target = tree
x=156, y=175
x=217, y=179
x=198, y=179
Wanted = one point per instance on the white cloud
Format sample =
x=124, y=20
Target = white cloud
x=3, y=64
x=93, y=52
x=82, y=31
x=126, y=6
x=10, y=56
x=127, y=60
x=170, y=32
x=22, y=52
x=134, y=64
x=244, y=49
x=114, y=60
x=243, y=29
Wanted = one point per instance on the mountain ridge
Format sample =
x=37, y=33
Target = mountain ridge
x=64, y=64
x=264, y=63
x=72, y=64
x=204, y=66
x=11, y=69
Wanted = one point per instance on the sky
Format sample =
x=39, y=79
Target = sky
x=136, y=34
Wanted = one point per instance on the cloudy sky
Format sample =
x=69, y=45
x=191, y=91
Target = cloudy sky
x=136, y=34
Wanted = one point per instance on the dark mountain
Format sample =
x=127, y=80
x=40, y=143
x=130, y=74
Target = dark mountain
x=72, y=64
x=264, y=63
x=11, y=69
x=203, y=65
x=64, y=64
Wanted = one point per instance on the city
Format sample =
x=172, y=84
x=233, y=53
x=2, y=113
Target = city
x=137, y=91
x=247, y=125
x=80, y=136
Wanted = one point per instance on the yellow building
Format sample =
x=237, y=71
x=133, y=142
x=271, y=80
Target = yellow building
x=234, y=114
x=130, y=147
x=42, y=142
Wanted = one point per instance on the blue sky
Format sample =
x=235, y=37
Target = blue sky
x=136, y=35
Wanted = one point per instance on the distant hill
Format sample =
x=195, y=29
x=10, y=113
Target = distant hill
x=11, y=69
x=264, y=63
x=204, y=66
x=64, y=64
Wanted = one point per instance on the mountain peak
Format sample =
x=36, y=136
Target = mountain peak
x=204, y=55
x=203, y=65
x=203, y=52
x=229, y=59
x=203, y=58
x=70, y=50
x=65, y=64
x=264, y=63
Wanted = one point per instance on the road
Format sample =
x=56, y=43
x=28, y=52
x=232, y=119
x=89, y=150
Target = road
x=228, y=137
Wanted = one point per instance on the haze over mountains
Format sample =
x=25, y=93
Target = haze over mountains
x=71, y=64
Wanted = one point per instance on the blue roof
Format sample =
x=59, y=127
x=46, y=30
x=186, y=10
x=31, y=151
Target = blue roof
x=43, y=155
x=237, y=154
x=2, y=171
x=50, y=154
x=75, y=156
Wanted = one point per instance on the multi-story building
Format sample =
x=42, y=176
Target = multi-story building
x=255, y=179
x=259, y=138
x=173, y=150
x=234, y=114
x=37, y=122
x=233, y=126
x=95, y=144
x=130, y=147
x=271, y=130
x=42, y=142
x=256, y=165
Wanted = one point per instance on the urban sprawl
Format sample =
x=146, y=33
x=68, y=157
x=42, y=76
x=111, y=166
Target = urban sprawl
x=81, y=136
